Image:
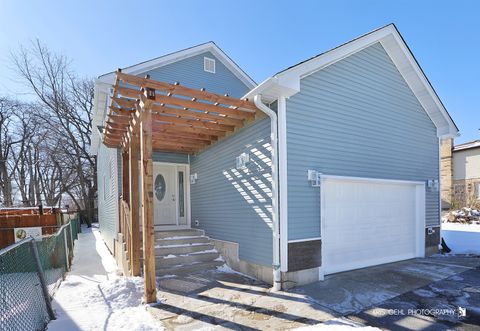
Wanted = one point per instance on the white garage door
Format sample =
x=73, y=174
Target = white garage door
x=367, y=222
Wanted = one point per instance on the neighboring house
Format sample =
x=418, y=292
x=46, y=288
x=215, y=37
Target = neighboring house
x=446, y=172
x=466, y=174
x=338, y=170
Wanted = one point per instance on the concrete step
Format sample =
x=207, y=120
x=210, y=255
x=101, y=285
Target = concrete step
x=183, y=249
x=188, y=268
x=179, y=233
x=177, y=260
x=182, y=241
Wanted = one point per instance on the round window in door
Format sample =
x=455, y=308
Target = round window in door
x=160, y=187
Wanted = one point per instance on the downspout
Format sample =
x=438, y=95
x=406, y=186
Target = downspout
x=277, y=275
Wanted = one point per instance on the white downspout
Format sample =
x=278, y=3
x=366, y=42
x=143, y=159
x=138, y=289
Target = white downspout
x=277, y=275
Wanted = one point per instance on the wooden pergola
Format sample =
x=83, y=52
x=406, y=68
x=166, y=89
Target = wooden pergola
x=147, y=115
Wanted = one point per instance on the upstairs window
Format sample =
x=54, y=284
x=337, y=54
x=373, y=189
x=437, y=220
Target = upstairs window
x=209, y=65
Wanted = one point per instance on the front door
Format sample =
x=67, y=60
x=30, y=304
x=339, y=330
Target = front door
x=170, y=195
x=164, y=195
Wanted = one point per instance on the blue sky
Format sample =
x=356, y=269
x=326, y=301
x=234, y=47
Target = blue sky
x=263, y=37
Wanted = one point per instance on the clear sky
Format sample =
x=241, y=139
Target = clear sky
x=263, y=37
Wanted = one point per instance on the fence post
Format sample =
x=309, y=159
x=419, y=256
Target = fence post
x=66, y=248
x=38, y=265
x=71, y=235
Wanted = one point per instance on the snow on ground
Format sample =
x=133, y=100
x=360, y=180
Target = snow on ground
x=462, y=238
x=94, y=297
x=338, y=324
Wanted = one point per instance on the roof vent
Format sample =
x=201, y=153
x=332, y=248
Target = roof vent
x=209, y=65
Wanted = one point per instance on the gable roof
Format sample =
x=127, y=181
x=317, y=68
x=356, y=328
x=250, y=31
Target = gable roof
x=287, y=82
x=183, y=54
x=104, y=82
x=467, y=145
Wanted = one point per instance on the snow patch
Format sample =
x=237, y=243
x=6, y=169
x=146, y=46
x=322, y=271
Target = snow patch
x=94, y=297
x=180, y=237
x=170, y=256
x=462, y=238
x=204, y=252
x=226, y=269
x=180, y=245
x=338, y=324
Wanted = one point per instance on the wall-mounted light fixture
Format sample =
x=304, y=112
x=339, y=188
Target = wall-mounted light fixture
x=433, y=185
x=193, y=178
x=242, y=160
x=314, y=177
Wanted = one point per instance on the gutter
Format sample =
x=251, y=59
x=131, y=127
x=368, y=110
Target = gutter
x=277, y=275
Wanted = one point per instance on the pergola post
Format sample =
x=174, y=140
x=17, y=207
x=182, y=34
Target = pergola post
x=134, y=204
x=147, y=98
x=125, y=172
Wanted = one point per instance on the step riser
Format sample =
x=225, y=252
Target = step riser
x=183, y=241
x=188, y=269
x=179, y=233
x=187, y=259
x=163, y=251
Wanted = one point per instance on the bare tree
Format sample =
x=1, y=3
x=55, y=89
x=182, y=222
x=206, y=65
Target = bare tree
x=67, y=103
x=7, y=144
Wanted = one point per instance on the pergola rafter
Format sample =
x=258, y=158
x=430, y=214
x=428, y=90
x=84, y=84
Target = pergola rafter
x=147, y=115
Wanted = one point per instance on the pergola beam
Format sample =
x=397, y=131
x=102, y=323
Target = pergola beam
x=191, y=122
x=183, y=112
x=196, y=117
x=185, y=91
x=235, y=113
x=172, y=127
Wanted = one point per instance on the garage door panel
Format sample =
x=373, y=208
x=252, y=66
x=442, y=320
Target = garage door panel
x=367, y=223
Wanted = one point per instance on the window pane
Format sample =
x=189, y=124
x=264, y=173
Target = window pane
x=181, y=194
x=160, y=187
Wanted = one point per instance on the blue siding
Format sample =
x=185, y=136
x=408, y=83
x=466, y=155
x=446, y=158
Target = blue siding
x=235, y=205
x=189, y=72
x=357, y=117
x=109, y=182
x=170, y=157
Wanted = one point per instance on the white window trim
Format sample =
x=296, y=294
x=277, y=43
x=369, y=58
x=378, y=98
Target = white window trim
x=207, y=60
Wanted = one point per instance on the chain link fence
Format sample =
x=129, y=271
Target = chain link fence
x=30, y=272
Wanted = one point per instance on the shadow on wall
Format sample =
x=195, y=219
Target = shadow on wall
x=254, y=181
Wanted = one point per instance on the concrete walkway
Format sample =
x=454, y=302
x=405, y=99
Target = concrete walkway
x=226, y=300
x=218, y=300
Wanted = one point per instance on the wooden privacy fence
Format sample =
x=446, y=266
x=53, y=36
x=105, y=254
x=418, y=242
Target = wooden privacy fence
x=25, y=218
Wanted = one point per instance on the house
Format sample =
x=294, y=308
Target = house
x=462, y=169
x=329, y=165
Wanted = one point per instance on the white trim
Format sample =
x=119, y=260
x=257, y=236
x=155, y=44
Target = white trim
x=440, y=181
x=375, y=180
x=276, y=239
x=419, y=217
x=206, y=61
x=283, y=181
x=287, y=83
x=302, y=240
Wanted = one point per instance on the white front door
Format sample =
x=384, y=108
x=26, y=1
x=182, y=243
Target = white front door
x=164, y=195
x=170, y=195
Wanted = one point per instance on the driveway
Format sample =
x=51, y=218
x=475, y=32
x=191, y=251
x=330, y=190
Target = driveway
x=418, y=294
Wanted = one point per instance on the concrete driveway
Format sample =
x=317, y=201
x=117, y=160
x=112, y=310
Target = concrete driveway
x=418, y=294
